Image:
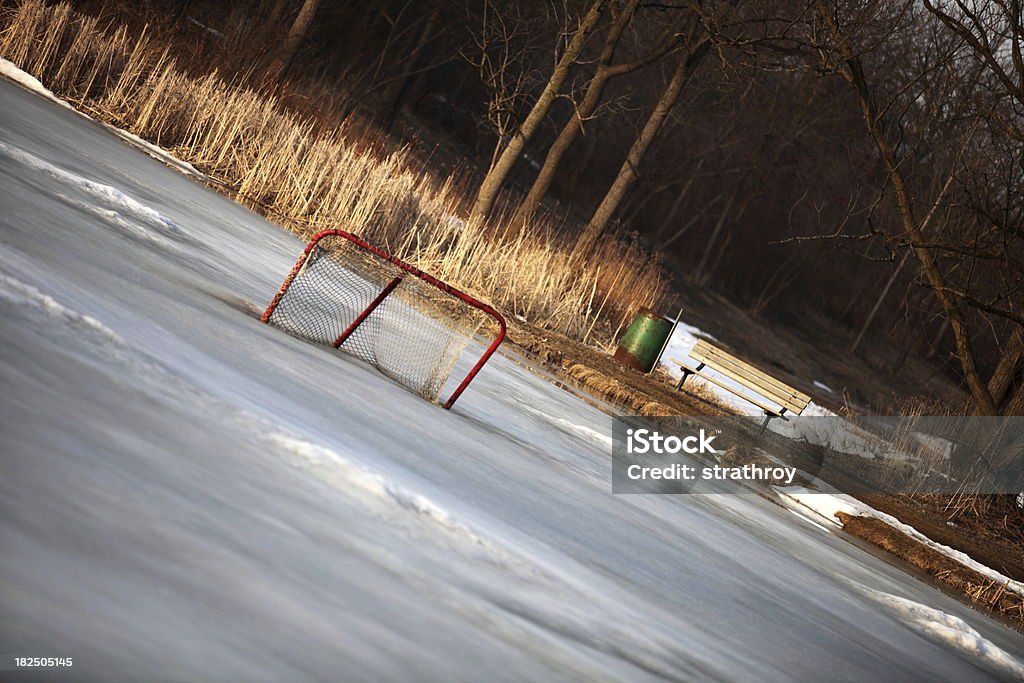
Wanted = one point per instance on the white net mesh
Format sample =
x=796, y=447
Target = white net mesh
x=414, y=335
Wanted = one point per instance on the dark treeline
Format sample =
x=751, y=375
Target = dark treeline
x=861, y=160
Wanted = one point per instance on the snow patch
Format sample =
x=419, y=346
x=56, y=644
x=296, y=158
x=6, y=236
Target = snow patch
x=814, y=410
x=824, y=387
x=949, y=630
x=29, y=82
x=841, y=436
x=158, y=153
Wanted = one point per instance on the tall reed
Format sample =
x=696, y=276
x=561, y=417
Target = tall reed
x=312, y=170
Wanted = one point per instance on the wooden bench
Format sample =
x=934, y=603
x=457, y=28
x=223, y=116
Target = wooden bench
x=779, y=397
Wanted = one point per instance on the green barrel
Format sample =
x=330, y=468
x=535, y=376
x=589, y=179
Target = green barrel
x=643, y=340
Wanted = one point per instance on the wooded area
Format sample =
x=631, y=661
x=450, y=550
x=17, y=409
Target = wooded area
x=862, y=160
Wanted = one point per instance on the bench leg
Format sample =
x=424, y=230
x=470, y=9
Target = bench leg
x=686, y=373
x=768, y=418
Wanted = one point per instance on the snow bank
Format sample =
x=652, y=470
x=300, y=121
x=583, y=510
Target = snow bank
x=159, y=153
x=828, y=505
x=30, y=82
x=836, y=434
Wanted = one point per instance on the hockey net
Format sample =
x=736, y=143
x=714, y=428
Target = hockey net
x=351, y=295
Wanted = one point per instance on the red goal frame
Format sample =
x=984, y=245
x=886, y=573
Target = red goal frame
x=412, y=270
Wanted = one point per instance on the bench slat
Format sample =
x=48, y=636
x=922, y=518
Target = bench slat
x=786, y=399
x=707, y=378
x=703, y=348
x=744, y=372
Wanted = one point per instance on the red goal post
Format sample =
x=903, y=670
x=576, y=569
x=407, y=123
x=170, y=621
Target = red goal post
x=361, y=297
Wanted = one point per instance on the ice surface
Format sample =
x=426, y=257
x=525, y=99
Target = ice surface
x=188, y=494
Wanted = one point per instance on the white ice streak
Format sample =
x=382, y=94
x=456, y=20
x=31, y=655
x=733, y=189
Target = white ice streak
x=19, y=293
x=592, y=435
x=587, y=433
x=344, y=474
x=102, y=200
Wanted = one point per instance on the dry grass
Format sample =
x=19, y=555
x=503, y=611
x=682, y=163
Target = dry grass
x=312, y=169
x=982, y=591
x=601, y=375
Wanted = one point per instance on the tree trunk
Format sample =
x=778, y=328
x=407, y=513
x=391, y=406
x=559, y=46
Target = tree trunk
x=929, y=265
x=628, y=173
x=591, y=98
x=1001, y=382
x=293, y=40
x=502, y=166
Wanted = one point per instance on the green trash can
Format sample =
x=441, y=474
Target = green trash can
x=640, y=346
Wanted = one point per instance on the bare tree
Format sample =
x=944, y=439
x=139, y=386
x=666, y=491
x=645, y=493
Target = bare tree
x=851, y=67
x=994, y=31
x=629, y=171
x=605, y=72
x=510, y=151
x=1002, y=380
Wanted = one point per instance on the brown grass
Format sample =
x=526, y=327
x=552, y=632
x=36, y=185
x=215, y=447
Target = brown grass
x=987, y=594
x=311, y=169
x=599, y=374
